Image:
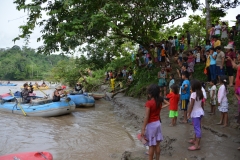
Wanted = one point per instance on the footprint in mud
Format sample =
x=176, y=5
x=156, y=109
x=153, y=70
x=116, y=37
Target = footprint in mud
x=166, y=146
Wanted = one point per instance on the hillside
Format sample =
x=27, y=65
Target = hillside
x=24, y=63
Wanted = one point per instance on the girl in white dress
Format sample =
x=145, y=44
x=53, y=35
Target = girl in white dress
x=223, y=102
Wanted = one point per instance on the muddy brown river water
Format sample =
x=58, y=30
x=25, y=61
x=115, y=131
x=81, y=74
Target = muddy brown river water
x=91, y=133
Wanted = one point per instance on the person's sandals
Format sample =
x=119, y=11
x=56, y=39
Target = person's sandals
x=191, y=141
x=193, y=148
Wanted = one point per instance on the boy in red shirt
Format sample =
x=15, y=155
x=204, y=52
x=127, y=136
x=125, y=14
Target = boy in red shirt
x=173, y=97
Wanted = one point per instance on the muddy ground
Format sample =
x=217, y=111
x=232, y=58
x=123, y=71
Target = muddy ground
x=217, y=143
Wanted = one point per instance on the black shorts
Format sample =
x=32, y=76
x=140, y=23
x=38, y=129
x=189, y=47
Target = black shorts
x=188, y=41
x=229, y=71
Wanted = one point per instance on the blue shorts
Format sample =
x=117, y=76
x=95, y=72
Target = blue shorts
x=219, y=72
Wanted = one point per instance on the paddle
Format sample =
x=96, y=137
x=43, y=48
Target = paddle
x=43, y=92
x=24, y=113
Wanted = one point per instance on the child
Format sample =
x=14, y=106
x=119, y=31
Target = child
x=185, y=95
x=213, y=97
x=168, y=67
x=150, y=63
x=237, y=94
x=196, y=112
x=180, y=55
x=172, y=81
x=174, y=98
x=223, y=101
x=162, y=81
x=112, y=82
x=130, y=78
x=151, y=129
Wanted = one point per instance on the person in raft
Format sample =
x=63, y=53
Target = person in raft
x=25, y=94
x=78, y=87
x=151, y=129
x=57, y=94
x=196, y=113
x=173, y=99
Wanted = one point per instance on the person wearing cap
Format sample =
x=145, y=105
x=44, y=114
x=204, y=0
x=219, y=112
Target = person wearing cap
x=78, y=87
x=57, y=94
x=229, y=67
x=25, y=94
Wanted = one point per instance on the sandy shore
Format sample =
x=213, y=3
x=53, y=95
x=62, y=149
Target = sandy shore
x=217, y=143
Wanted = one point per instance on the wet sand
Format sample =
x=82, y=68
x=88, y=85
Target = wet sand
x=217, y=142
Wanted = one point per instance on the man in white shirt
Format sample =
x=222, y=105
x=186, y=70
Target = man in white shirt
x=217, y=29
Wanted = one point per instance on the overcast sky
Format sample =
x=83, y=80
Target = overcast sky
x=11, y=19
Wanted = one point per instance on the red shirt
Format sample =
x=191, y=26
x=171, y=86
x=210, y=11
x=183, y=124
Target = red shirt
x=174, y=98
x=154, y=110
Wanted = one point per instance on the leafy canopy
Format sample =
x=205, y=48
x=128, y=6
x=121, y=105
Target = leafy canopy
x=71, y=23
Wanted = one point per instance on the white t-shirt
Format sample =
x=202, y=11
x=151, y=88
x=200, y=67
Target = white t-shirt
x=213, y=88
x=130, y=78
x=173, y=42
x=163, y=45
x=124, y=72
x=197, y=110
x=198, y=57
x=217, y=29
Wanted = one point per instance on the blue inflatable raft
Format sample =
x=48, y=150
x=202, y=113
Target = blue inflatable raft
x=8, y=84
x=38, y=107
x=82, y=100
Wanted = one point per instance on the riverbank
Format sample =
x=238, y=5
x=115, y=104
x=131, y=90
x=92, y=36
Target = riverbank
x=217, y=142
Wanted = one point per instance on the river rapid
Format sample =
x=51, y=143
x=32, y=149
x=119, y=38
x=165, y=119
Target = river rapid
x=87, y=133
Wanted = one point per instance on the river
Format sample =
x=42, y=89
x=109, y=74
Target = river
x=87, y=133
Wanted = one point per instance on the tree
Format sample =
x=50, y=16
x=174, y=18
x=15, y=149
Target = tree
x=71, y=23
x=217, y=11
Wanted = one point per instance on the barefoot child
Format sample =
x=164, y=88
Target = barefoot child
x=151, y=128
x=162, y=83
x=223, y=101
x=172, y=81
x=174, y=98
x=196, y=112
x=213, y=97
x=185, y=95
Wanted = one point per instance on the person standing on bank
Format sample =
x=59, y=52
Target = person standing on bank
x=229, y=67
x=151, y=129
x=220, y=62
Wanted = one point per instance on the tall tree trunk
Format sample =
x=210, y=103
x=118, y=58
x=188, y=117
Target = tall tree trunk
x=208, y=18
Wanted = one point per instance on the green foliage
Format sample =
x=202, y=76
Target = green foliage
x=25, y=63
x=237, y=41
x=199, y=73
x=72, y=23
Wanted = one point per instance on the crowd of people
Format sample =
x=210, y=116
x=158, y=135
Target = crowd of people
x=220, y=64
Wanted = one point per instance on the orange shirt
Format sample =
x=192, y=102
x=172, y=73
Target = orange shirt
x=154, y=110
x=163, y=53
x=174, y=98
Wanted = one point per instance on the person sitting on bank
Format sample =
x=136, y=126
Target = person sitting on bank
x=57, y=94
x=25, y=94
x=78, y=87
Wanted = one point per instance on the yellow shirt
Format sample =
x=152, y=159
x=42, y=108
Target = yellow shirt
x=112, y=83
x=208, y=61
x=217, y=43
